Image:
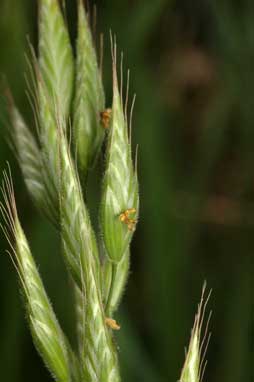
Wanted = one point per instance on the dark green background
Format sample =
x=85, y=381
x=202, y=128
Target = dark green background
x=192, y=67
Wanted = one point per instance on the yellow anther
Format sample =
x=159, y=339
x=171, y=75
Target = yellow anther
x=125, y=218
x=112, y=324
x=132, y=224
x=105, y=116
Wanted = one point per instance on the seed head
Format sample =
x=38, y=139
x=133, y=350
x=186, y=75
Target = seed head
x=194, y=365
x=47, y=334
x=89, y=100
x=55, y=56
x=120, y=201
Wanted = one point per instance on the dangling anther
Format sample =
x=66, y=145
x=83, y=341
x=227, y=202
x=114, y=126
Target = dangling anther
x=112, y=324
x=105, y=117
x=125, y=218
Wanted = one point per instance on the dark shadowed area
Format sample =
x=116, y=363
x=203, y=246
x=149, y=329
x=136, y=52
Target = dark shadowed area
x=192, y=68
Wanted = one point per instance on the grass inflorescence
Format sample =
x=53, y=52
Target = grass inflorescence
x=72, y=121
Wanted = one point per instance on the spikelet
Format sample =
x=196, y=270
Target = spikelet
x=194, y=365
x=47, y=334
x=28, y=156
x=79, y=242
x=55, y=56
x=54, y=74
x=120, y=200
x=81, y=254
x=89, y=97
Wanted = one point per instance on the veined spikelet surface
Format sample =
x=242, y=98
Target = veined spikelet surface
x=28, y=154
x=47, y=334
x=49, y=140
x=55, y=56
x=54, y=74
x=99, y=357
x=89, y=96
x=29, y=159
x=120, y=186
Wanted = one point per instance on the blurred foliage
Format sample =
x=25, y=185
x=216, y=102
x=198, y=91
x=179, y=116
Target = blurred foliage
x=192, y=69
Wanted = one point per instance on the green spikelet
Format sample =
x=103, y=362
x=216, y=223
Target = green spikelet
x=89, y=97
x=54, y=74
x=55, y=56
x=194, y=365
x=47, y=334
x=120, y=201
x=79, y=242
x=28, y=156
x=98, y=354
